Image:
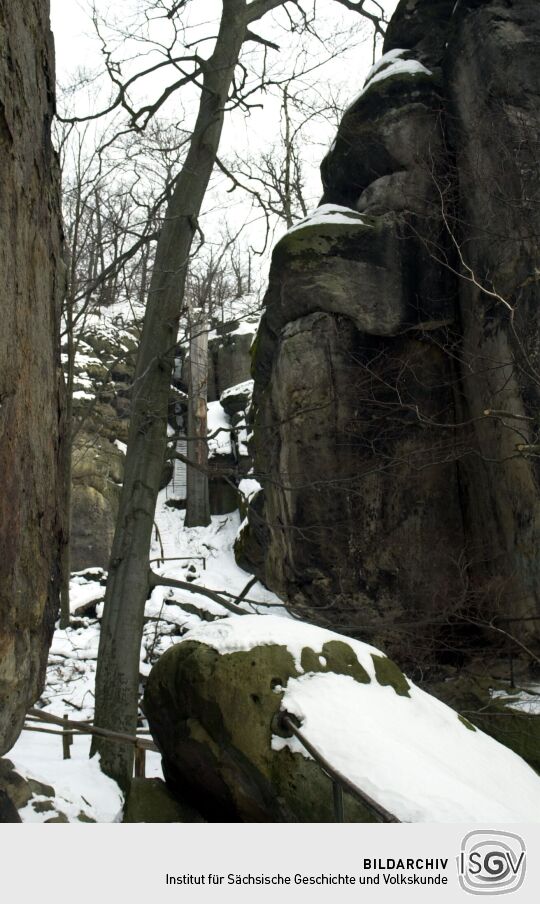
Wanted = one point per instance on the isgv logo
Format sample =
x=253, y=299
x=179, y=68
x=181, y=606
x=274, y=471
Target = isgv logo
x=491, y=862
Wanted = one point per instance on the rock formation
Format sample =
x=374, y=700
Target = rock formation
x=397, y=364
x=30, y=293
x=103, y=371
x=104, y=367
x=215, y=703
x=213, y=717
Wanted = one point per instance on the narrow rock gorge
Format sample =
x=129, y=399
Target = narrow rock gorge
x=30, y=395
x=397, y=366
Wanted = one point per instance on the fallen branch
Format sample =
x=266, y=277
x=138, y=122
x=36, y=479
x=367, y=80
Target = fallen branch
x=156, y=580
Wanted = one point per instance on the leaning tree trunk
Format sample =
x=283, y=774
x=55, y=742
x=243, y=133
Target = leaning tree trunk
x=117, y=678
x=30, y=384
x=197, y=495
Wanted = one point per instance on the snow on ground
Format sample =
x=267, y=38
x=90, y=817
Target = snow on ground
x=219, y=428
x=199, y=555
x=524, y=701
x=411, y=753
x=81, y=788
x=212, y=561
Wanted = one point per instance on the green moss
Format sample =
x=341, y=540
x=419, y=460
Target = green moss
x=310, y=661
x=316, y=239
x=343, y=660
x=215, y=717
x=337, y=657
x=389, y=674
x=466, y=723
x=83, y=817
x=42, y=806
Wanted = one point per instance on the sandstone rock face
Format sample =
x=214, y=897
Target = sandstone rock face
x=30, y=292
x=229, y=360
x=396, y=316
x=495, y=129
x=103, y=370
x=97, y=473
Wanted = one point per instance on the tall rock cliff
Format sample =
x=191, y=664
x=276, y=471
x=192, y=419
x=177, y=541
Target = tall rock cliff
x=397, y=365
x=30, y=289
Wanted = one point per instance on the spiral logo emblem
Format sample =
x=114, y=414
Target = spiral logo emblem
x=491, y=862
x=496, y=867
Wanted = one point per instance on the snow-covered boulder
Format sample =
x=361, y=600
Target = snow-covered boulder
x=237, y=398
x=213, y=703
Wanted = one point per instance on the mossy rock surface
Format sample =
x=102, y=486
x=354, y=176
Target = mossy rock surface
x=98, y=469
x=14, y=785
x=213, y=716
x=8, y=810
x=149, y=800
x=390, y=675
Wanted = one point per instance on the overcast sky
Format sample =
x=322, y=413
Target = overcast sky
x=77, y=46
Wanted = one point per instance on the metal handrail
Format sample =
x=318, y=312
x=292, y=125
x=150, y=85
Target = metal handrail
x=340, y=782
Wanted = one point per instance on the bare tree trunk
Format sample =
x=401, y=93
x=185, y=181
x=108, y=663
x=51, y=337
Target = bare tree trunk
x=117, y=678
x=67, y=446
x=66, y=476
x=287, y=193
x=197, y=498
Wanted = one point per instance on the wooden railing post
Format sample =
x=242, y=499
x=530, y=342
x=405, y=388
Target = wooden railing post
x=67, y=739
x=140, y=762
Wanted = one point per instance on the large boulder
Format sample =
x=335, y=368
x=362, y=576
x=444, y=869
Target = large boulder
x=214, y=702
